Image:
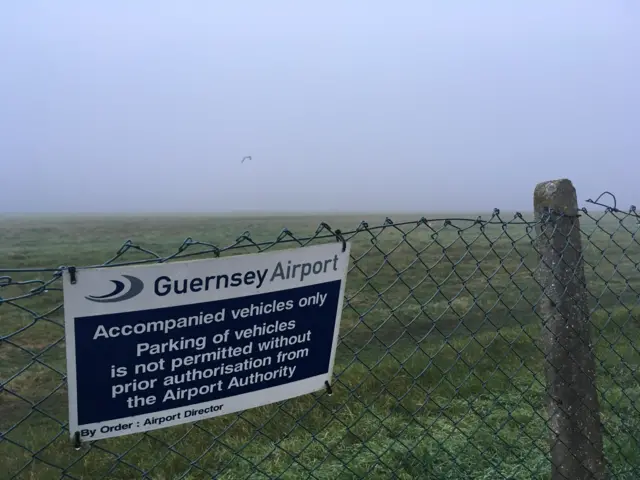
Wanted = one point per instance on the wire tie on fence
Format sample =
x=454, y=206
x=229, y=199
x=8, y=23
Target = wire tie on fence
x=329, y=389
x=341, y=239
x=186, y=244
x=76, y=441
x=72, y=274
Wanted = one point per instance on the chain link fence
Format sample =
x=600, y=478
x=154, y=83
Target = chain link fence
x=442, y=370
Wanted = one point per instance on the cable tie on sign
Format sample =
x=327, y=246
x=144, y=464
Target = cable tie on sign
x=72, y=274
x=329, y=389
x=76, y=441
x=341, y=239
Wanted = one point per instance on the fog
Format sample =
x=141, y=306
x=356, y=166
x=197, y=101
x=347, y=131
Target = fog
x=343, y=106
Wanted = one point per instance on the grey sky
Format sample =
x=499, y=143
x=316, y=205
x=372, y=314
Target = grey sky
x=360, y=105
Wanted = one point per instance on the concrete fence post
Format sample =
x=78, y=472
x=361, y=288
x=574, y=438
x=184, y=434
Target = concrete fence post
x=572, y=405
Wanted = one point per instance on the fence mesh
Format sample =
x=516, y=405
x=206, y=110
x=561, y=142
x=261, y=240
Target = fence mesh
x=439, y=371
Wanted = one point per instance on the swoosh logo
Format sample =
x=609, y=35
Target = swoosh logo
x=120, y=293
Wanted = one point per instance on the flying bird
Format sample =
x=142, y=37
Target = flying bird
x=245, y=158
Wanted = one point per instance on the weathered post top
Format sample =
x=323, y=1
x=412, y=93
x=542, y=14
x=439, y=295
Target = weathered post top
x=558, y=195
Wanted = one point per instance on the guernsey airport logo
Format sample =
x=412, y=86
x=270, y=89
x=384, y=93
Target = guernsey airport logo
x=122, y=292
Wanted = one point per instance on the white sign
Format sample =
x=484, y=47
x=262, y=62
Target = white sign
x=165, y=344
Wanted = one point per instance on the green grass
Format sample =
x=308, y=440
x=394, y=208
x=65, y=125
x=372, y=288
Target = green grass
x=439, y=372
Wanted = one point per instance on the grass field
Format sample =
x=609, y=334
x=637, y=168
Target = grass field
x=439, y=374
